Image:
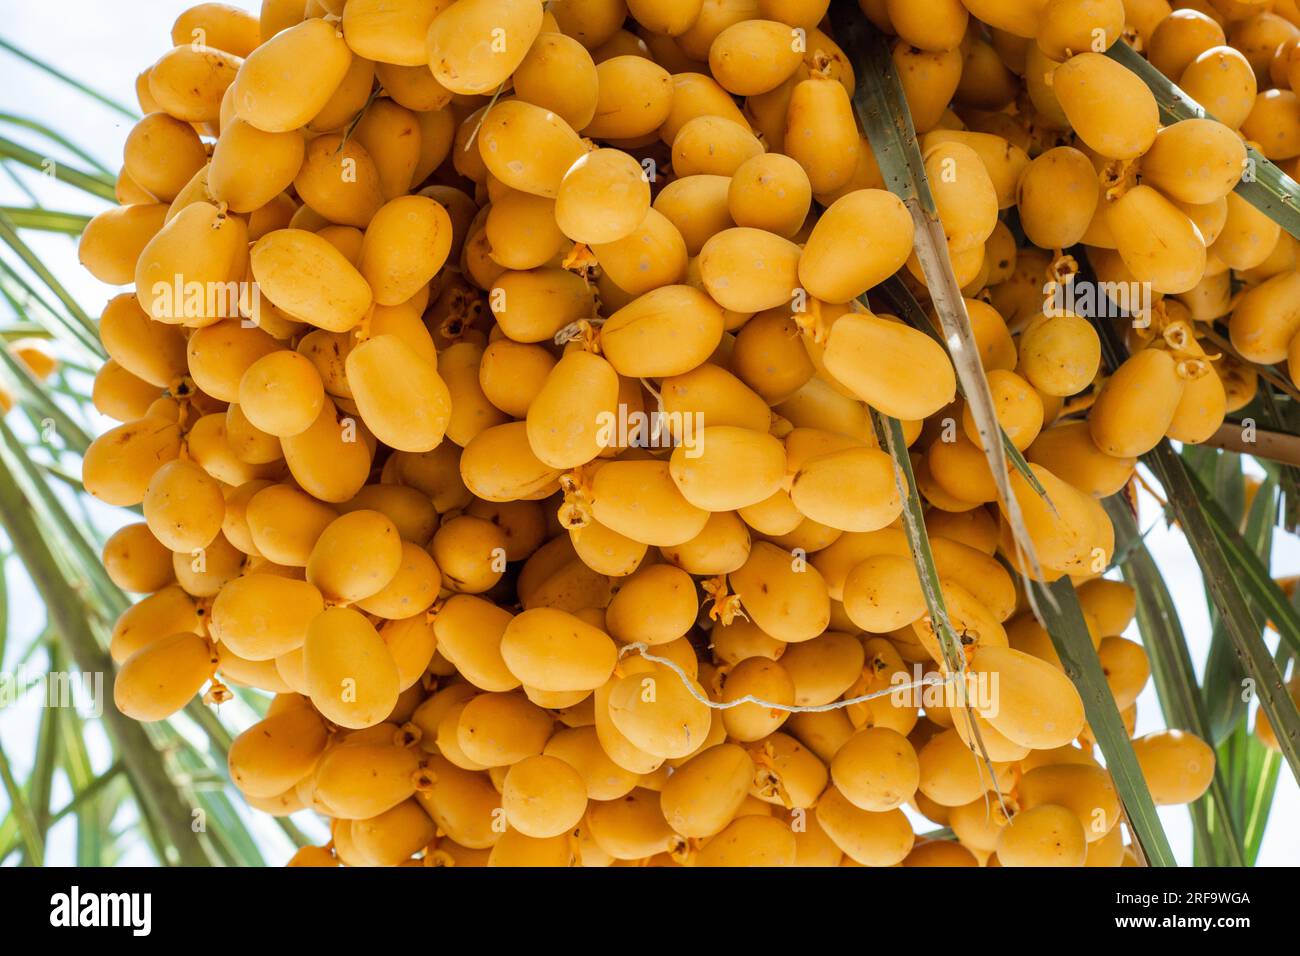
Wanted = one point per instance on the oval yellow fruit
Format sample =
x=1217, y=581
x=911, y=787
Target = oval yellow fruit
x=405, y=245
x=1037, y=705
x=401, y=397
x=474, y=46
x=916, y=382
x=351, y=676
x=162, y=677
x=308, y=278
x=289, y=78
x=1110, y=108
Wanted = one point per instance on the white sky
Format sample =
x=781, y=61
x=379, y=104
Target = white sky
x=105, y=45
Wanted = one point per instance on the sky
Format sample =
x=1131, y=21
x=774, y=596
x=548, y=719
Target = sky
x=105, y=45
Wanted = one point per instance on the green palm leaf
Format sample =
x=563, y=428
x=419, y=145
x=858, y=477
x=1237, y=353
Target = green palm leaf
x=1063, y=619
x=96, y=183
x=35, y=126
x=1175, y=680
x=25, y=818
x=71, y=81
x=46, y=220
x=80, y=327
x=165, y=814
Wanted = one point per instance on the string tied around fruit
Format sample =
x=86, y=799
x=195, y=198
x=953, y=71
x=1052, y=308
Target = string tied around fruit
x=931, y=679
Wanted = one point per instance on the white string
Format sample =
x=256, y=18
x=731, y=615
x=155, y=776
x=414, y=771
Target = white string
x=657, y=428
x=689, y=683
